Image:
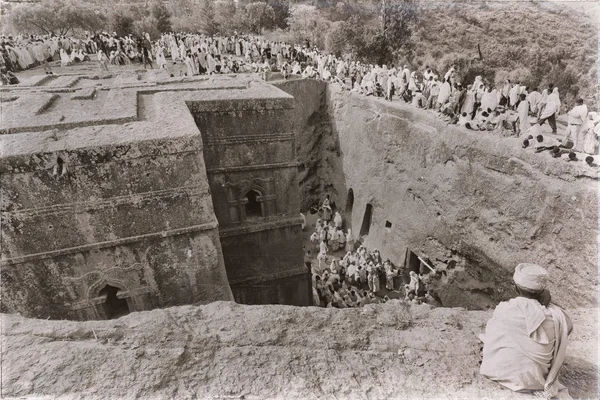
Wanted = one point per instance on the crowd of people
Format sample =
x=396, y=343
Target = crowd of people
x=357, y=276
x=511, y=108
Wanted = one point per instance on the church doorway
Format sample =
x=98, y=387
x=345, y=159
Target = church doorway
x=349, y=202
x=366, y=224
x=113, y=306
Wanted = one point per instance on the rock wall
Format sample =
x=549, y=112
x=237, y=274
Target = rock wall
x=100, y=220
x=320, y=169
x=230, y=351
x=473, y=204
x=469, y=203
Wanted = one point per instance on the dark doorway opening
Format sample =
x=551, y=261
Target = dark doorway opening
x=113, y=306
x=349, y=202
x=253, y=207
x=412, y=262
x=366, y=224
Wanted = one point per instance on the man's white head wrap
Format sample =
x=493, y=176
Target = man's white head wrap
x=531, y=277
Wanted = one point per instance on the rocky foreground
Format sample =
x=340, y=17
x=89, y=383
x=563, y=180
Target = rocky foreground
x=227, y=351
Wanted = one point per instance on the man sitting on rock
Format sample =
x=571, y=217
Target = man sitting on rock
x=526, y=339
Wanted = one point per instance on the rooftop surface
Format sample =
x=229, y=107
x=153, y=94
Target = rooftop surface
x=50, y=113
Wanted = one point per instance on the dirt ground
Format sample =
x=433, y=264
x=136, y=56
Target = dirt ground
x=228, y=351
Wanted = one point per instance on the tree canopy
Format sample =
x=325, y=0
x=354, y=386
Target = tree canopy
x=58, y=17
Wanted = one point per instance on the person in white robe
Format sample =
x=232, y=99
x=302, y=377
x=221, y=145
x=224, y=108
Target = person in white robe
x=102, y=61
x=341, y=239
x=534, y=98
x=414, y=287
x=174, y=51
x=390, y=274
x=349, y=241
x=64, y=58
x=334, y=240
x=513, y=95
x=450, y=75
x=590, y=132
x=326, y=207
x=337, y=219
x=212, y=65
x=488, y=100
x=550, y=111
x=322, y=257
x=161, y=61
x=526, y=339
x=444, y=94
x=189, y=64
x=576, y=119
x=469, y=102
x=542, y=102
x=523, y=114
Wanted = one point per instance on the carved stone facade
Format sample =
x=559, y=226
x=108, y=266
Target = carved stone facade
x=250, y=155
x=106, y=204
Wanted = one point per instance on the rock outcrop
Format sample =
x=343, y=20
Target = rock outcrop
x=229, y=351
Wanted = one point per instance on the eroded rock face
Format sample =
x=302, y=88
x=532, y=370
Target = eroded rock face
x=472, y=204
x=225, y=350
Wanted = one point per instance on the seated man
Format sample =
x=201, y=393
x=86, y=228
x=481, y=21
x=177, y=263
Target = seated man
x=526, y=339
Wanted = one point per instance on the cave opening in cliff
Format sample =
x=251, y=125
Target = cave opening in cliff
x=113, y=306
x=349, y=202
x=366, y=223
x=413, y=264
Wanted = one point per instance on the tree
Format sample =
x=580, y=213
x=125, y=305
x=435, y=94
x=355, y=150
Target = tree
x=281, y=13
x=309, y=24
x=162, y=16
x=208, y=23
x=398, y=19
x=227, y=17
x=146, y=25
x=259, y=15
x=58, y=17
x=122, y=23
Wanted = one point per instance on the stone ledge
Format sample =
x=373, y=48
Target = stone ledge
x=100, y=245
x=276, y=137
x=252, y=167
x=84, y=94
x=259, y=226
x=35, y=80
x=271, y=277
x=133, y=198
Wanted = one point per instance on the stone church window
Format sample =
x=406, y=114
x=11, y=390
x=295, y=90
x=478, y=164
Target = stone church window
x=253, y=206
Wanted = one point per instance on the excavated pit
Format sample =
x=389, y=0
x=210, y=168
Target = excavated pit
x=473, y=205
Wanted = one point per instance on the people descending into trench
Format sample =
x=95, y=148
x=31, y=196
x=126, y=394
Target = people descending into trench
x=345, y=276
x=525, y=341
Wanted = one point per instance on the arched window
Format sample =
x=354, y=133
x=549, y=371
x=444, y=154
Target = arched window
x=113, y=306
x=253, y=206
